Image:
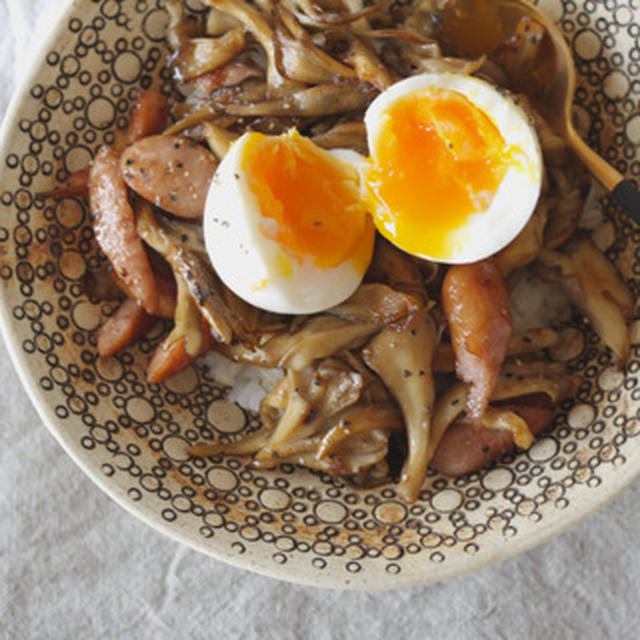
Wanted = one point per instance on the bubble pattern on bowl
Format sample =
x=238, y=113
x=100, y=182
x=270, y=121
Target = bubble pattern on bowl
x=132, y=436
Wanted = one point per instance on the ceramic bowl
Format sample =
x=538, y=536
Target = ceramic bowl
x=131, y=437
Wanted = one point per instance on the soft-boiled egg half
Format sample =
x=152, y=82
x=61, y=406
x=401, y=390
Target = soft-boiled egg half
x=286, y=226
x=455, y=168
x=454, y=174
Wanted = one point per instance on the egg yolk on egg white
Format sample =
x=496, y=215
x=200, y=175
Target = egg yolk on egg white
x=286, y=226
x=310, y=207
x=455, y=168
x=442, y=160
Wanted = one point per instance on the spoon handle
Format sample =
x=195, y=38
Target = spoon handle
x=624, y=192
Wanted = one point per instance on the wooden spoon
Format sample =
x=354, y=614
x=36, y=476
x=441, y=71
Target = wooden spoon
x=558, y=102
x=479, y=26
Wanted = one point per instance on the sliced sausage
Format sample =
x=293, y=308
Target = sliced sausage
x=115, y=228
x=172, y=172
x=149, y=116
x=476, y=303
x=124, y=327
x=464, y=448
x=171, y=356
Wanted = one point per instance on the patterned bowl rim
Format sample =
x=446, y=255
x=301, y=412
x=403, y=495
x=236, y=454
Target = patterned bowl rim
x=446, y=571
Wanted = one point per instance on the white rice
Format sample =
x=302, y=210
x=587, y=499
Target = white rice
x=536, y=303
x=249, y=384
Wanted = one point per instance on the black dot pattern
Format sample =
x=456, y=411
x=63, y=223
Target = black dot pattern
x=132, y=436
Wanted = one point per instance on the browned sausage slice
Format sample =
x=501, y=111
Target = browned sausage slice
x=125, y=326
x=476, y=304
x=172, y=172
x=149, y=116
x=115, y=228
x=171, y=356
x=464, y=449
x=228, y=75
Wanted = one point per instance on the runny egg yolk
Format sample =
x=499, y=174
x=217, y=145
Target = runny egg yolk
x=437, y=159
x=309, y=201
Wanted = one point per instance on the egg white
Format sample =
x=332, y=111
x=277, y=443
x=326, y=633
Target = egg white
x=485, y=232
x=255, y=267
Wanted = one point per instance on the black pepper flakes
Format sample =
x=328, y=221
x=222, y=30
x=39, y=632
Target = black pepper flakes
x=197, y=292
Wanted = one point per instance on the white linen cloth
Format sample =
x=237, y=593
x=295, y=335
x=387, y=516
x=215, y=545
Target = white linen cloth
x=73, y=564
